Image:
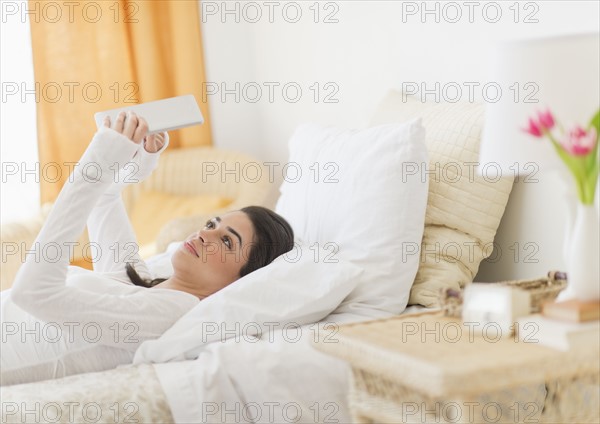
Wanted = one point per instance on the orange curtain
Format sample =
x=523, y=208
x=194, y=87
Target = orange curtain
x=90, y=56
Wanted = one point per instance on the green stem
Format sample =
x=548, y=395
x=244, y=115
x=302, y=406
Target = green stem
x=590, y=187
x=574, y=166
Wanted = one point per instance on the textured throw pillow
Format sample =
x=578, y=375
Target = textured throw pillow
x=464, y=209
x=348, y=191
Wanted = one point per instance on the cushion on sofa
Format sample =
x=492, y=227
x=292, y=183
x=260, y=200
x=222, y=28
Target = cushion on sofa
x=463, y=209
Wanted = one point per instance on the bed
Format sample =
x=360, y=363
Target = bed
x=270, y=373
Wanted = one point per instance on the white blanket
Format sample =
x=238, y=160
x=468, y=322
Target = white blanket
x=279, y=380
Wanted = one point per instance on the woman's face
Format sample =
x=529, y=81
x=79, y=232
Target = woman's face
x=212, y=258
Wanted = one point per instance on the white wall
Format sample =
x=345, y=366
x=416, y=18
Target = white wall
x=375, y=46
x=19, y=188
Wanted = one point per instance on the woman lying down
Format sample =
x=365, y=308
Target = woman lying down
x=59, y=320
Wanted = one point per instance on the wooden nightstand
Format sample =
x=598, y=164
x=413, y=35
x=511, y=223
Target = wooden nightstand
x=429, y=368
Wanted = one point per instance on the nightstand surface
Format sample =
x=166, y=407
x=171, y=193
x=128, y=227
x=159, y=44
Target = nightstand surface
x=440, y=358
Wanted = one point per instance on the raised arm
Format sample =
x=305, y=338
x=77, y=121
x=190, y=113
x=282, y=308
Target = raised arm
x=108, y=225
x=40, y=285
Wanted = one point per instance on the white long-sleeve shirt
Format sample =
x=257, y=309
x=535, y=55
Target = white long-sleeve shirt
x=60, y=320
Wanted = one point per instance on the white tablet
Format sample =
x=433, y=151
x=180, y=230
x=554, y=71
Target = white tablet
x=161, y=115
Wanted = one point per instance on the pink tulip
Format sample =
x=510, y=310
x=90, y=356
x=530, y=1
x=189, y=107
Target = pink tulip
x=534, y=129
x=579, y=142
x=546, y=119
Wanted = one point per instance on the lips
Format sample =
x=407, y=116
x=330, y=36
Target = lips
x=189, y=246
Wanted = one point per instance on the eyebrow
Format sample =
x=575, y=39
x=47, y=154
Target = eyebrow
x=231, y=230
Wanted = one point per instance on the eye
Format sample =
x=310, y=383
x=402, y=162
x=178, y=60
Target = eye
x=226, y=240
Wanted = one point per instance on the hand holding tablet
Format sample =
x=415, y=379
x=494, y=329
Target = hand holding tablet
x=162, y=115
x=136, y=129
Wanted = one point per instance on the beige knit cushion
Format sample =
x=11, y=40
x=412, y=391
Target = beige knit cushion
x=463, y=209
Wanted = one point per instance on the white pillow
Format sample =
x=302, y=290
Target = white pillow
x=354, y=193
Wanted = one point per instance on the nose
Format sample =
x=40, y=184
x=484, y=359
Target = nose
x=204, y=236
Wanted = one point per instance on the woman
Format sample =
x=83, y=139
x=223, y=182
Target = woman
x=59, y=320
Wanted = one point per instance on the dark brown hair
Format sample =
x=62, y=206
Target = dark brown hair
x=273, y=236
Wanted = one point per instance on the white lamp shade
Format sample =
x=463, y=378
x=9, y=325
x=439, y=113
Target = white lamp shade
x=561, y=74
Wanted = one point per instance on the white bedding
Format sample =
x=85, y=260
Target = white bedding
x=279, y=378
x=282, y=380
